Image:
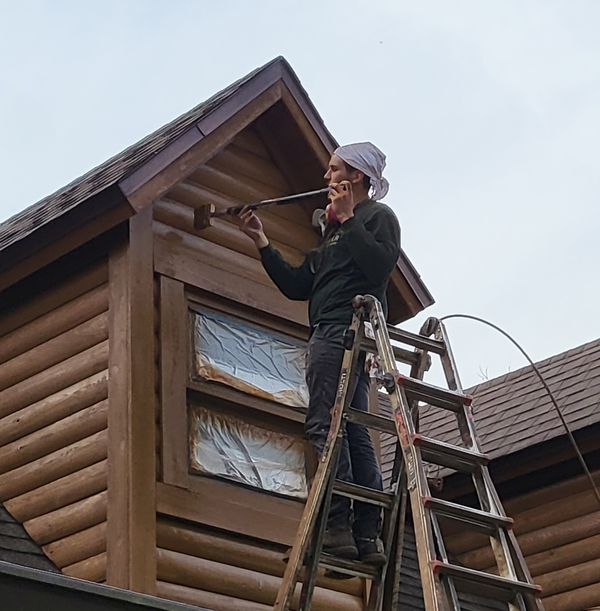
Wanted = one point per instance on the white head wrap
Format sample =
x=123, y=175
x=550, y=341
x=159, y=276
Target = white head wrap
x=367, y=158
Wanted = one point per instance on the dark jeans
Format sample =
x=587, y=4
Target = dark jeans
x=358, y=462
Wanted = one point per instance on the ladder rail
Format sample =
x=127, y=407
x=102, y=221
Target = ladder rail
x=441, y=579
x=323, y=473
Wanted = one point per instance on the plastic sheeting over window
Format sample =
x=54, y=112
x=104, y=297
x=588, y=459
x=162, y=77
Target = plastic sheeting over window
x=250, y=359
x=228, y=447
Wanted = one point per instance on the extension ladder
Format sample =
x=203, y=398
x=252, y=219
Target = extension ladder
x=441, y=579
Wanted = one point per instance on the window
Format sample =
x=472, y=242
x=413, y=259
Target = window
x=250, y=359
x=226, y=446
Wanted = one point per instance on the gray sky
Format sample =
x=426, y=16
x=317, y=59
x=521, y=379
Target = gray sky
x=488, y=112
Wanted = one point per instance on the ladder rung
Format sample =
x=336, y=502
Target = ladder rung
x=448, y=455
x=434, y=395
x=372, y=421
x=416, y=341
x=400, y=354
x=349, y=567
x=361, y=493
x=484, y=584
x=473, y=519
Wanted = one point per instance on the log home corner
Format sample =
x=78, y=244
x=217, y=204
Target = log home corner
x=109, y=393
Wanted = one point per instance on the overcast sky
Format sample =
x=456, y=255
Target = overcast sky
x=488, y=111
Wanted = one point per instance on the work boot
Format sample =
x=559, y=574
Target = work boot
x=370, y=551
x=340, y=543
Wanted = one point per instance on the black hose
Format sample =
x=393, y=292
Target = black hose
x=543, y=381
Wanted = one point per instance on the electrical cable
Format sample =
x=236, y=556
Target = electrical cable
x=546, y=387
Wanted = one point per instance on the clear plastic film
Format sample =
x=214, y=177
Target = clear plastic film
x=250, y=359
x=228, y=447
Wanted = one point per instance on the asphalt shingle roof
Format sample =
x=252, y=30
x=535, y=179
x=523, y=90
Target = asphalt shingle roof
x=513, y=412
x=110, y=172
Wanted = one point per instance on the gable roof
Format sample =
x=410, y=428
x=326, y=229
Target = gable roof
x=124, y=163
x=513, y=411
x=128, y=181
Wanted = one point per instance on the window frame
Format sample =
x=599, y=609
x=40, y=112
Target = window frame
x=179, y=389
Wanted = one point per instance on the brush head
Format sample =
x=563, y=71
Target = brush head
x=203, y=216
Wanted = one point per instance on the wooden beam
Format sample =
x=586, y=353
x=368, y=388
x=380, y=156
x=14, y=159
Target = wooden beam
x=233, y=508
x=131, y=547
x=175, y=350
x=59, y=493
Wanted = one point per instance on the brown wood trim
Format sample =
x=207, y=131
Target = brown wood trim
x=131, y=530
x=246, y=401
x=198, y=301
x=303, y=101
x=203, y=150
x=174, y=333
x=232, y=508
x=318, y=147
x=54, y=298
x=72, y=237
x=173, y=260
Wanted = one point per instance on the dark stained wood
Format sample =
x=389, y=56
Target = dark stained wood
x=233, y=508
x=74, y=236
x=250, y=165
x=564, y=556
x=52, y=299
x=175, y=350
x=131, y=421
x=316, y=141
x=54, y=323
x=203, y=150
x=59, y=493
x=570, y=578
x=248, y=140
x=580, y=599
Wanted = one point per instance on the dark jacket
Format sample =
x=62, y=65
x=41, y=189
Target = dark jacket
x=355, y=258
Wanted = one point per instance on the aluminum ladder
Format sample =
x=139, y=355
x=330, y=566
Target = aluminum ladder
x=441, y=579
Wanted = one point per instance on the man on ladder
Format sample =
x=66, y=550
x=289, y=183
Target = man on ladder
x=358, y=252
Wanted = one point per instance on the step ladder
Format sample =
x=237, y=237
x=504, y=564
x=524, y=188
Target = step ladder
x=442, y=580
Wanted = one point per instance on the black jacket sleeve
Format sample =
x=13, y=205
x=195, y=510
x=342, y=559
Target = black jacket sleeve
x=374, y=245
x=294, y=282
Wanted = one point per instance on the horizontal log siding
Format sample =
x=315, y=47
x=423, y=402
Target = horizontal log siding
x=227, y=573
x=53, y=422
x=221, y=259
x=558, y=530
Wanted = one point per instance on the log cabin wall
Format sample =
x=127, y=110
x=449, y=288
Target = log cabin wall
x=53, y=420
x=558, y=530
x=221, y=545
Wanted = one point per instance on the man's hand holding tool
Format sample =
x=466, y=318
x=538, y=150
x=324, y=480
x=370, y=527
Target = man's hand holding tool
x=342, y=201
x=252, y=226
